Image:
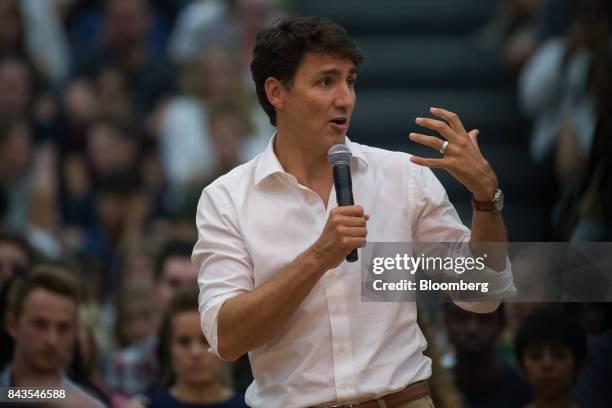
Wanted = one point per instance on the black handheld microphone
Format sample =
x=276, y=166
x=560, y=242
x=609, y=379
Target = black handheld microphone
x=339, y=157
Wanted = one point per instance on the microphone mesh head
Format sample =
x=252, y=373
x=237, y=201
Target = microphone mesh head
x=339, y=154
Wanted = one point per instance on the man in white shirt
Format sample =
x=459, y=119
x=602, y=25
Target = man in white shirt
x=272, y=241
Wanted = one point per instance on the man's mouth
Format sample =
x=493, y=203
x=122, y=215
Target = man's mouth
x=339, y=123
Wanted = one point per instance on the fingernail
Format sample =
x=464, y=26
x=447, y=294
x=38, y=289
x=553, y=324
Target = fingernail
x=432, y=108
x=418, y=119
x=411, y=135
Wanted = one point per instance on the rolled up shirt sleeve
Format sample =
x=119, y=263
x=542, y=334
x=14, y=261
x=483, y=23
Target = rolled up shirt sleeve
x=224, y=265
x=434, y=216
x=500, y=287
x=436, y=220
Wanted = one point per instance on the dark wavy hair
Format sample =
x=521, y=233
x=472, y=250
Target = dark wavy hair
x=549, y=325
x=279, y=49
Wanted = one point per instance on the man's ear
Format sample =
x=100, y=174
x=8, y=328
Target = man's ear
x=11, y=324
x=276, y=92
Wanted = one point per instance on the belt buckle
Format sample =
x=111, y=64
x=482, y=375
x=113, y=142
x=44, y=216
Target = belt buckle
x=351, y=405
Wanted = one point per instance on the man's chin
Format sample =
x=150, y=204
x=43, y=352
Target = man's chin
x=336, y=138
x=49, y=366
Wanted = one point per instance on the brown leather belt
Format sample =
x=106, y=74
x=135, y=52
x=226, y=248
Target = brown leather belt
x=410, y=393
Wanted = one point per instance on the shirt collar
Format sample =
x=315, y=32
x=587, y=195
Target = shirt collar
x=268, y=163
x=5, y=377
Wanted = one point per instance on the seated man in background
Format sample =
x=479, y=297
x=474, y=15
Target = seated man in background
x=173, y=269
x=482, y=378
x=42, y=320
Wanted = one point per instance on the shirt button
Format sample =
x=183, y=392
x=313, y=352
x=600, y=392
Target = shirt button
x=333, y=273
x=340, y=348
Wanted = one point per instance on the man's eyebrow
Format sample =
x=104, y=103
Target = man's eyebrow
x=336, y=71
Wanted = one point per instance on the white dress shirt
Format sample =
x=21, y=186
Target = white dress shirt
x=257, y=218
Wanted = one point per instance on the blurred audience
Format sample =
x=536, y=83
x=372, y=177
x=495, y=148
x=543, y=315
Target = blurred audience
x=229, y=24
x=128, y=47
x=185, y=41
x=28, y=187
x=592, y=388
x=553, y=85
x=550, y=347
x=553, y=19
x=47, y=41
x=556, y=90
x=121, y=208
x=484, y=379
x=587, y=205
x=513, y=31
x=87, y=359
x=190, y=373
x=444, y=393
x=131, y=368
x=514, y=312
x=16, y=256
x=12, y=36
x=15, y=160
x=16, y=88
x=213, y=82
x=173, y=270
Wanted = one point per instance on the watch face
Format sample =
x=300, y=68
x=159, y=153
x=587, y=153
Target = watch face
x=498, y=200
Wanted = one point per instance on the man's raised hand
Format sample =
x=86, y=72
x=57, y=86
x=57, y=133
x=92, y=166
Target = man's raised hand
x=462, y=157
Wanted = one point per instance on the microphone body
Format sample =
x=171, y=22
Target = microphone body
x=343, y=182
x=344, y=185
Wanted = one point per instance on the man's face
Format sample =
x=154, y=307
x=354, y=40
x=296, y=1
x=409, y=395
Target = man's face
x=472, y=332
x=177, y=271
x=15, y=88
x=127, y=21
x=10, y=25
x=226, y=132
x=15, y=152
x=45, y=331
x=322, y=93
x=109, y=150
x=550, y=368
x=218, y=73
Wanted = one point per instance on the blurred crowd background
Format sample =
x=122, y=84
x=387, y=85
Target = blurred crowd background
x=114, y=114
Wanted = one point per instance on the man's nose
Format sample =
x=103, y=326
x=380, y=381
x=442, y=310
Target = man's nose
x=52, y=336
x=345, y=97
x=547, y=360
x=473, y=326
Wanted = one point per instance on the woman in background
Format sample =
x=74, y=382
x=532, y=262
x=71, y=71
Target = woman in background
x=191, y=376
